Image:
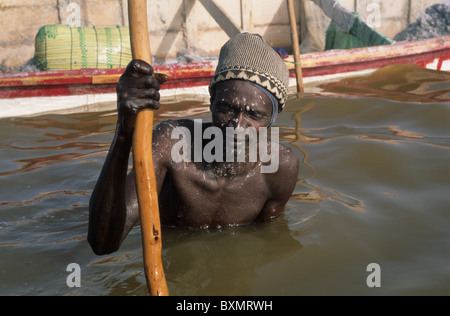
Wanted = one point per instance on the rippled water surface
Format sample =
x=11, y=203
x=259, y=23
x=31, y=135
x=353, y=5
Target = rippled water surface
x=374, y=187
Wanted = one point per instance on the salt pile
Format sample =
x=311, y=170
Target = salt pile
x=435, y=22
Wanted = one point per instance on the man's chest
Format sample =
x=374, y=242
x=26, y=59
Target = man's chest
x=206, y=200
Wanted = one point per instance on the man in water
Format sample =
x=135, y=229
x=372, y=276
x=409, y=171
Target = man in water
x=248, y=90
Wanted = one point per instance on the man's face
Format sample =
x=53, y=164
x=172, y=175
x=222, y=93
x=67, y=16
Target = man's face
x=241, y=105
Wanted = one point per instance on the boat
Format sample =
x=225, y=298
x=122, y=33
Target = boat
x=34, y=93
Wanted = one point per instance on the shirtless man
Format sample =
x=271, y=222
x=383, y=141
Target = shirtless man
x=248, y=90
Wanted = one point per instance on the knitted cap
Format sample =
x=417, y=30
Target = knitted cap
x=248, y=57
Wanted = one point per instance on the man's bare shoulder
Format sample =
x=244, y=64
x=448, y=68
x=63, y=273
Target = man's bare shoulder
x=165, y=128
x=280, y=184
x=284, y=178
x=289, y=155
x=163, y=138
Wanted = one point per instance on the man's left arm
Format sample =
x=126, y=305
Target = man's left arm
x=281, y=184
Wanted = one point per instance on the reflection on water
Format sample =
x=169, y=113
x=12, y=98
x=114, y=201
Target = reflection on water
x=224, y=262
x=373, y=187
x=404, y=83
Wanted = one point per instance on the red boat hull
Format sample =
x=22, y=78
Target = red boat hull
x=432, y=53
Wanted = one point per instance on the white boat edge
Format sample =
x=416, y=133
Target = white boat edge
x=33, y=106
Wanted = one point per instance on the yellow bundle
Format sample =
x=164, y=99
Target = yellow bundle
x=64, y=47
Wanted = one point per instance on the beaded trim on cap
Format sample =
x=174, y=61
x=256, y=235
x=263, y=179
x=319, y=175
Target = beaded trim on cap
x=272, y=84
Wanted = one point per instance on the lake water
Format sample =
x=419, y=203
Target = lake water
x=373, y=187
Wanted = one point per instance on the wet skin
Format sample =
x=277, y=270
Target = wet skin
x=191, y=194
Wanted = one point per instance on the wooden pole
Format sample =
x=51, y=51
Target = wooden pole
x=296, y=46
x=143, y=162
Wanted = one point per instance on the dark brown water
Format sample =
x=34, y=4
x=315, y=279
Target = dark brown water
x=374, y=187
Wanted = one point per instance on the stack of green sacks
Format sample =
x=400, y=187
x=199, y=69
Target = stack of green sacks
x=60, y=47
x=360, y=35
